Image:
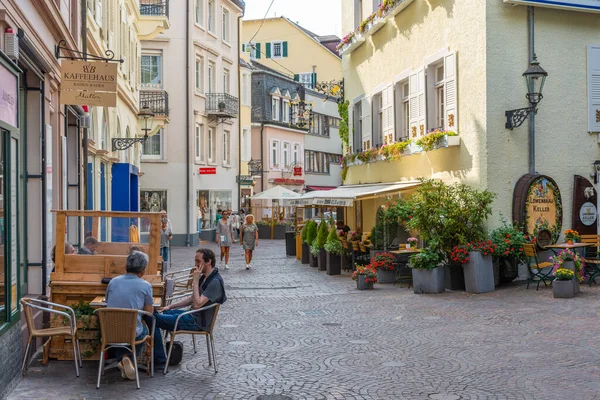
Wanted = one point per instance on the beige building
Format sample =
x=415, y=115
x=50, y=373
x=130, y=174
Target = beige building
x=456, y=66
x=190, y=165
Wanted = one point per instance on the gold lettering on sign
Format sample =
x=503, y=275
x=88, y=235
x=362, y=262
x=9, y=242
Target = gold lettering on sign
x=541, y=204
x=422, y=129
x=451, y=120
x=414, y=131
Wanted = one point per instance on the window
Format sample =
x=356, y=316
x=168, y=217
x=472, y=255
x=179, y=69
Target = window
x=296, y=154
x=316, y=162
x=104, y=127
x=439, y=97
x=246, y=90
x=225, y=25
x=199, y=12
x=285, y=154
x=275, y=154
x=357, y=124
x=152, y=200
x=212, y=70
x=226, y=80
x=246, y=144
x=405, y=125
x=277, y=49
x=199, y=74
x=152, y=148
x=378, y=122
x=212, y=145
x=275, y=108
x=211, y=16
x=307, y=79
x=319, y=125
x=151, y=71
x=253, y=49
x=199, y=142
x=226, y=147
x=286, y=111
x=333, y=122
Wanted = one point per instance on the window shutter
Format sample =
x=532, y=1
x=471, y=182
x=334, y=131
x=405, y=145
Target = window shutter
x=593, y=88
x=257, y=51
x=99, y=13
x=413, y=104
x=285, y=49
x=350, y=127
x=450, y=93
x=376, y=5
x=367, y=129
x=268, y=49
x=297, y=77
x=243, y=47
x=387, y=128
x=313, y=80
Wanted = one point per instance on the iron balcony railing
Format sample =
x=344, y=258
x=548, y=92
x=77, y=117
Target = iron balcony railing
x=156, y=100
x=222, y=104
x=154, y=8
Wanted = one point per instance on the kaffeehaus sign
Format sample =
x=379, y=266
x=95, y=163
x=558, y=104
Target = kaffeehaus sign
x=89, y=83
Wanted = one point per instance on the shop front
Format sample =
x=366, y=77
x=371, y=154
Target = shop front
x=209, y=204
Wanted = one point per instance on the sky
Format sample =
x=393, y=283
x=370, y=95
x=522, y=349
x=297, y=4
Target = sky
x=323, y=17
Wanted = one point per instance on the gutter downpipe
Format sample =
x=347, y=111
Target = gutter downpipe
x=531, y=25
x=188, y=241
x=262, y=157
x=44, y=193
x=239, y=79
x=85, y=144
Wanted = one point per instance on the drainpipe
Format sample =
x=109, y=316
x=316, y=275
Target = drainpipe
x=85, y=136
x=44, y=192
x=262, y=157
x=188, y=241
x=239, y=120
x=531, y=25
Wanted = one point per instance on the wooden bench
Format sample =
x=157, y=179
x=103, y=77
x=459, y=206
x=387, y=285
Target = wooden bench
x=591, y=258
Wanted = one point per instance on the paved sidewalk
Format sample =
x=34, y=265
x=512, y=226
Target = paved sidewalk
x=290, y=330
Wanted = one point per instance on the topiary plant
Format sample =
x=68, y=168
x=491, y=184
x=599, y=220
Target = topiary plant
x=333, y=244
x=304, y=231
x=311, y=232
x=322, y=234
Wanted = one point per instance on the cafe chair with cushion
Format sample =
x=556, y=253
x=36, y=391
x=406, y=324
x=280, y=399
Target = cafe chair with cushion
x=69, y=329
x=591, y=257
x=118, y=330
x=210, y=344
x=538, y=271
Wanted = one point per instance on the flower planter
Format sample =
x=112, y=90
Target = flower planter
x=362, y=285
x=305, y=253
x=313, y=260
x=264, y=232
x=322, y=260
x=334, y=264
x=373, y=253
x=571, y=265
x=279, y=232
x=563, y=289
x=428, y=280
x=479, y=273
x=508, y=269
x=454, y=277
x=290, y=243
x=376, y=25
x=386, y=276
x=355, y=42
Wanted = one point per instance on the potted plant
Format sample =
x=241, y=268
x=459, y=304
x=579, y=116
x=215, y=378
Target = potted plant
x=321, y=240
x=476, y=259
x=264, y=229
x=355, y=238
x=384, y=264
x=279, y=230
x=508, y=240
x=305, y=247
x=572, y=236
x=311, y=236
x=411, y=243
x=427, y=274
x=570, y=260
x=334, y=250
x=365, y=277
x=314, y=251
x=221, y=106
x=563, y=286
x=449, y=215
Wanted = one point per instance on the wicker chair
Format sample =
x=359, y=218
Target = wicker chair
x=118, y=327
x=70, y=330
x=210, y=344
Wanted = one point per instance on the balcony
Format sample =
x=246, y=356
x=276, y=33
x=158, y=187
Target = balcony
x=156, y=100
x=154, y=18
x=222, y=105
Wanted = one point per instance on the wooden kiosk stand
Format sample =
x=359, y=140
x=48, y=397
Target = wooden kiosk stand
x=79, y=277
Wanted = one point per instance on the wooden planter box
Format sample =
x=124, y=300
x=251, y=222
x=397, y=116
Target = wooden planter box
x=386, y=276
x=362, y=285
x=454, y=277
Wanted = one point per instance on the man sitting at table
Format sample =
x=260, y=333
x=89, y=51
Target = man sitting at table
x=208, y=288
x=131, y=291
x=89, y=246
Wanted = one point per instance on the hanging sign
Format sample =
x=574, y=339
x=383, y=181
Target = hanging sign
x=297, y=171
x=8, y=97
x=584, y=213
x=574, y=5
x=588, y=214
x=89, y=83
x=89, y=98
x=207, y=170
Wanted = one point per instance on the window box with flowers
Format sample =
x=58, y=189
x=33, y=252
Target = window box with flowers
x=478, y=267
x=427, y=272
x=563, y=286
x=384, y=264
x=365, y=277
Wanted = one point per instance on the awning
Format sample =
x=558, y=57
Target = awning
x=313, y=188
x=344, y=196
x=276, y=193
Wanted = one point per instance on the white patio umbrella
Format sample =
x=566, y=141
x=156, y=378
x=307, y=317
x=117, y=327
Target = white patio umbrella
x=276, y=193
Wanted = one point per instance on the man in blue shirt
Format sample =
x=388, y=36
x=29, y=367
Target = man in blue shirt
x=131, y=291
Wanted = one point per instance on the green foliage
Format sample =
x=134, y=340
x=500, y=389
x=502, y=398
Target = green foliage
x=344, y=131
x=311, y=233
x=314, y=248
x=430, y=140
x=449, y=215
x=304, y=231
x=398, y=211
x=509, y=241
x=322, y=234
x=428, y=258
x=384, y=231
x=333, y=245
x=82, y=308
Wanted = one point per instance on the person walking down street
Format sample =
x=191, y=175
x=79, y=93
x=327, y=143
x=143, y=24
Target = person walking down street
x=165, y=238
x=208, y=288
x=249, y=238
x=224, y=238
x=235, y=224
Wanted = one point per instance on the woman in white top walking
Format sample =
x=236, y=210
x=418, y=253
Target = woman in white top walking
x=224, y=237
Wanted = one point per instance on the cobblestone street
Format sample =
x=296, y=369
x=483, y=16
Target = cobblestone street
x=293, y=331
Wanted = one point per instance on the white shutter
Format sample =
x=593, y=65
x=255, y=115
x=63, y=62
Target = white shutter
x=367, y=127
x=450, y=93
x=99, y=12
x=387, y=129
x=413, y=104
x=422, y=101
x=593, y=88
x=351, y=132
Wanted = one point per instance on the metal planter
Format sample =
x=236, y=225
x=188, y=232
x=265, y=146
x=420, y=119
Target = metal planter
x=386, y=276
x=428, y=280
x=454, y=276
x=479, y=273
x=571, y=265
x=290, y=243
x=334, y=264
x=563, y=289
x=322, y=260
x=305, y=253
x=362, y=285
x=313, y=260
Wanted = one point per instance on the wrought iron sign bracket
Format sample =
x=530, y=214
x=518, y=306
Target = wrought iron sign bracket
x=110, y=55
x=125, y=143
x=333, y=90
x=515, y=118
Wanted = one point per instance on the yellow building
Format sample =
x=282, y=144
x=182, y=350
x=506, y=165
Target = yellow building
x=246, y=181
x=286, y=47
x=413, y=66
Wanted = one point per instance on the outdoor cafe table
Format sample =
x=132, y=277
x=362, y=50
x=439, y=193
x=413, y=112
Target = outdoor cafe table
x=100, y=301
x=399, y=253
x=562, y=246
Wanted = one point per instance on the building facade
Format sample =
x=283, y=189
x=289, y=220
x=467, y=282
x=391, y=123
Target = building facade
x=190, y=165
x=455, y=67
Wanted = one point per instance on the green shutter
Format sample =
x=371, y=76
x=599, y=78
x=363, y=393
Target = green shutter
x=285, y=49
x=297, y=77
x=243, y=47
x=268, y=46
x=314, y=80
x=257, y=47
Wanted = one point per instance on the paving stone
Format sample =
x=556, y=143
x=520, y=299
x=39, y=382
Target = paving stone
x=289, y=330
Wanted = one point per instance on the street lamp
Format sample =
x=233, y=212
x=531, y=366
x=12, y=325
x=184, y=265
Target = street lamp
x=125, y=143
x=535, y=77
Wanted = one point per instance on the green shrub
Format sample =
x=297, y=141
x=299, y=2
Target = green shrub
x=311, y=233
x=333, y=244
x=314, y=248
x=322, y=234
x=304, y=231
x=426, y=259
